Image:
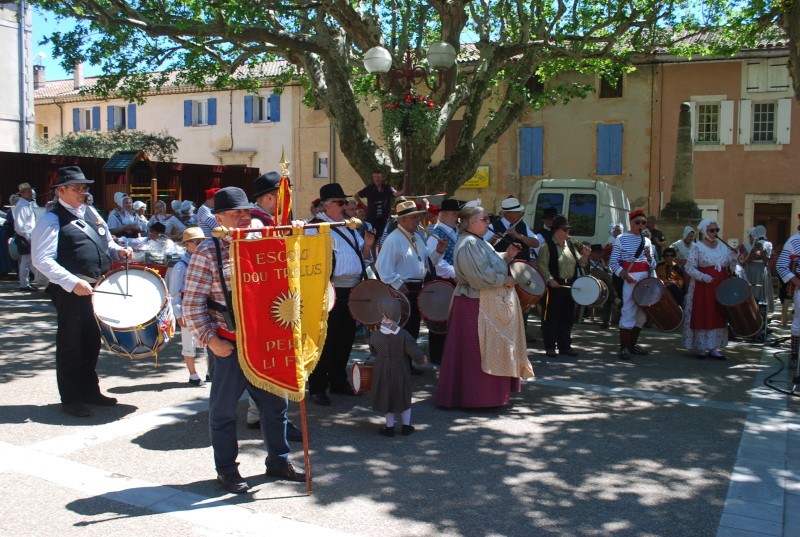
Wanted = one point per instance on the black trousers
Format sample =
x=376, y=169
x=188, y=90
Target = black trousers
x=77, y=346
x=557, y=319
x=331, y=370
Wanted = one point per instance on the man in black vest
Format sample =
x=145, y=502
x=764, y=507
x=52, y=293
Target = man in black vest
x=351, y=255
x=510, y=228
x=72, y=247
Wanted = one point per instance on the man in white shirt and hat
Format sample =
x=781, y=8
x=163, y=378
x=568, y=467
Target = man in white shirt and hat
x=510, y=228
x=24, y=222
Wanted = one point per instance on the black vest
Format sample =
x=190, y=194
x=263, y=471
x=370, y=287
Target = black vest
x=503, y=244
x=76, y=252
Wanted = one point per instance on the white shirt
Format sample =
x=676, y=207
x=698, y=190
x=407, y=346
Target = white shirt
x=176, y=281
x=44, y=245
x=398, y=260
x=24, y=218
x=347, y=272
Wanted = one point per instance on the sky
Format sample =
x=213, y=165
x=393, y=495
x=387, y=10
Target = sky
x=44, y=24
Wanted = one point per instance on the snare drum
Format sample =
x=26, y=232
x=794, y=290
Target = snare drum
x=433, y=302
x=589, y=291
x=530, y=284
x=736, y=300
x=134, y=312
x=364, y=303
x=652, y=296
x=361, y=377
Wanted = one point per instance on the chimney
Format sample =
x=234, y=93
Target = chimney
x=78, y=76
x=39, y=77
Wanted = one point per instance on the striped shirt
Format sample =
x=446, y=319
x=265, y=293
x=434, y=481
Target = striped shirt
x=206, y=220
x=624, y=250
x=202, y=283
x=792, y=247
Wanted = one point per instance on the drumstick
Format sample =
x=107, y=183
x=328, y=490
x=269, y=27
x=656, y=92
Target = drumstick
x=221, y=231
x=126, y=275
x=110, y=293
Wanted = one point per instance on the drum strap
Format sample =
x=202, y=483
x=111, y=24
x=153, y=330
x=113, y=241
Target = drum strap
x=89, y=232
x=354, y=246
x=228, y=314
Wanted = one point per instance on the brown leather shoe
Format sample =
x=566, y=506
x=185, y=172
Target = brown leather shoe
x=233, y=483
x=288, y=472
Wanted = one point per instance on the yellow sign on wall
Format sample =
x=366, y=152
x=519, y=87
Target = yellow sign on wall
x=479, y=180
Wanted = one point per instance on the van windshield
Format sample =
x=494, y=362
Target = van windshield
x=582, y=214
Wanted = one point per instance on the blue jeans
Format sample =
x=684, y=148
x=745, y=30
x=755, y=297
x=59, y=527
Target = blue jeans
x=226, y=389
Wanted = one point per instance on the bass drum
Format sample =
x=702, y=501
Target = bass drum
x=433, y=302
x=652, y=296
x=736, y=300
x=530, y=285
x=365, y=299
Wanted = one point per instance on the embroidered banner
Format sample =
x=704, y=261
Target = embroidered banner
x=280, y=301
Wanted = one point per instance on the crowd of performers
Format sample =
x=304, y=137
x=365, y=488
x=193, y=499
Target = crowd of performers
x=482, y=352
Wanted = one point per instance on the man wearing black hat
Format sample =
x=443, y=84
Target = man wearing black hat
x=72, y=247
x=446, y=229
x=208, y=315
x=351, y=255
x=265, y=189
x=403, y=261
x=547, y=222
x=510, y=228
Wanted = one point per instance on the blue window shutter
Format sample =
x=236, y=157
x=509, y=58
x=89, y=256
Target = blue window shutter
x=609, y=149
x=131, y=115
x=275, y=107
x=110, y=111
x=96, y=118
x=531, y=151
x=212, y=111
x=187, y=113
x=248, y=108
x=76, y=120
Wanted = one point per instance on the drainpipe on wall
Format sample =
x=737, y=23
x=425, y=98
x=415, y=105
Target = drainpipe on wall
x=23, y=112
x=332, y=154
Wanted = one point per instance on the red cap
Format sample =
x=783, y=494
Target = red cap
x=315, y=202
x=636, y=213
x=210, y=192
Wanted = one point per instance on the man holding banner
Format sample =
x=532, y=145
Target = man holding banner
x=209, y=315
x=351, y=255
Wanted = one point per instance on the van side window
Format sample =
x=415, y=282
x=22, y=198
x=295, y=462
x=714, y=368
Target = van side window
x=582, y=214
x=543, y=201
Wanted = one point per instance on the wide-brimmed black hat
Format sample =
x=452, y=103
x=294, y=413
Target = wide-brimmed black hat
x=230, y=198
x=330, y=191
x=451, y=204
x=549, y=212
x=266, y=183
x=71, y=175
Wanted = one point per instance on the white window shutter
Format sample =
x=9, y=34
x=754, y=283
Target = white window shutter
x=726, y=122
x=778, y=74
x=783, y=134
x=745, y=126
x=756, y=76
x=693, y=118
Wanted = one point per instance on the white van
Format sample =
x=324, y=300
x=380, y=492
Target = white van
x=589, y=205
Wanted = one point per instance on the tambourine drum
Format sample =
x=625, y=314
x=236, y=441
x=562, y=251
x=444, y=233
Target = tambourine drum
x=361, y=377
x=530, y=284
x=364, y=303
x=133, y=311
x=736, y=300
x=663, y=311
x=589, y=291
x=433, y=302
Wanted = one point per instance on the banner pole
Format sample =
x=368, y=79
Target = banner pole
x=306, y=457
x=221, y=232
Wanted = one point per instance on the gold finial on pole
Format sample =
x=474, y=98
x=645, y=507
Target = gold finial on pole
x=284, y=163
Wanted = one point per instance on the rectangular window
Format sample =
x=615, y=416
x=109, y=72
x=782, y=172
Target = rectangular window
x=544, y=201
x=708, y=123
x=86, y=119
x=531, y=151
x=611, y=89
x=200, y=112
x=117, y=117
x=262, y=108
x=763, y=122
x=609, y=149
x=42, y=131
x=582, y=214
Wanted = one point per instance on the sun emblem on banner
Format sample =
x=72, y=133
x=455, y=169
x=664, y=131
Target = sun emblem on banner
x=285, y=309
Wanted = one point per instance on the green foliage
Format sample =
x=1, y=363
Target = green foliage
x=159, y=147
x=412, y=116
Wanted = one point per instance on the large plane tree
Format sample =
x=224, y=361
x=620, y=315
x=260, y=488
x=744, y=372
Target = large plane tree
x=506, y=50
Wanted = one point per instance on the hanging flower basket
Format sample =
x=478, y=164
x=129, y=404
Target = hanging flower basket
x=417, y=117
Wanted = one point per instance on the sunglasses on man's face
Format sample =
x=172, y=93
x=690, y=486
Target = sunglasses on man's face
x=713, y=230
x=340, y=203
x=640, y=222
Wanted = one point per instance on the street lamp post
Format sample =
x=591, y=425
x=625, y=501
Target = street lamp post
x=378, y=61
